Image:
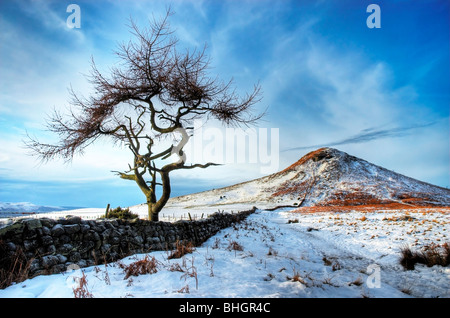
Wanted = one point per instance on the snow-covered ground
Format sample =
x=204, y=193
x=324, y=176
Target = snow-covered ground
x=172, y=212
x=25, y=209
x=280, y=253
x=326, y=176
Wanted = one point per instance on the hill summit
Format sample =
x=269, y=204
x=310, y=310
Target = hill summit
x=327, y=177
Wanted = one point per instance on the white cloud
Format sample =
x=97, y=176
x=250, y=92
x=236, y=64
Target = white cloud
x=96, y=164
x=317, y=93
x=36, y=75
x=43, y=11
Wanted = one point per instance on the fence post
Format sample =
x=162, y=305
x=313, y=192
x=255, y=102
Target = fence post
x=107, y=210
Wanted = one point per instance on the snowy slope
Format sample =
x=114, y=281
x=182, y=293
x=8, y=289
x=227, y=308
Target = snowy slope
x=326, y=177
x=17, y=208
x=321, y=255
x=315, y=248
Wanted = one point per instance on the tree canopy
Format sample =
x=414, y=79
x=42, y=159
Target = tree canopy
x=155, y=90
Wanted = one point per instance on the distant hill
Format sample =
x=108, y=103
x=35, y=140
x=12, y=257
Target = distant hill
x=325, y=177
x=8, y=209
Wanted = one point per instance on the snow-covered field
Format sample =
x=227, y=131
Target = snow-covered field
x=314, y=251
x=280, y=253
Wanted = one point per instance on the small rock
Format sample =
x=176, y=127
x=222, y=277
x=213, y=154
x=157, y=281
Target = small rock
x=30, y=245
x=65, y=249
x=72, y=228
x=49, y=261
x=32, y=224
x=51, y=249
x=61, y=258
x=47, y=240
x=48, y=222
x=45, y=231
x=10, y=246
x=57, y=230
x=58, y=268
x=85, y=228
x=82, y=263
x=70, y=219
x=75, y=257
x=35, y=265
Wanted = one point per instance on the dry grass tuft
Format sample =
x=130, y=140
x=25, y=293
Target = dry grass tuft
x=82, y=291
x=433, y=254
x=357, y=282
x=181, y=248
x=235, y=246
x=14, y=268
x=144, y=266
x=297, y=278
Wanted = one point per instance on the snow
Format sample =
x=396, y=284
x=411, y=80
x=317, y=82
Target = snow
x=326, y=254
x=286, y=252
x=25, y=209
x=316, y=182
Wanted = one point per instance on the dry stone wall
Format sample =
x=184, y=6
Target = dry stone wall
x=50, y=246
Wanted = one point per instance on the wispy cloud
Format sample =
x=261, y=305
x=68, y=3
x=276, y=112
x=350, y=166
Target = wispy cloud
x=45, y=13
x=366, y=135
x=325, y=77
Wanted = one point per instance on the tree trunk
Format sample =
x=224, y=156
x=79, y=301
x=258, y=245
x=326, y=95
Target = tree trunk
x=155, y=207
x=152, y=215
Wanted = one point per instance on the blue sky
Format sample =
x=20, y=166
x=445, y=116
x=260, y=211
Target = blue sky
x=326, y=78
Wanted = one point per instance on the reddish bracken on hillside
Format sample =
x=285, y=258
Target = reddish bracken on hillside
x=329, y=177
x=326, y=177
x=316, y=155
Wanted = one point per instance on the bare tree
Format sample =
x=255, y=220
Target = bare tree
x=153, y=92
